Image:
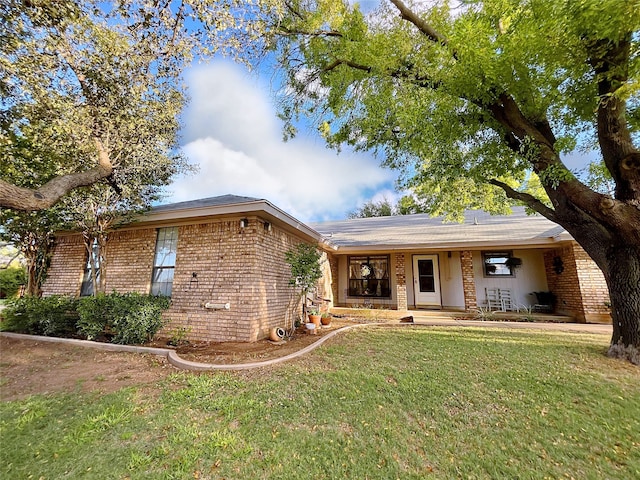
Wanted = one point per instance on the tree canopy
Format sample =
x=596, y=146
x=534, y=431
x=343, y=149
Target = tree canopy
x=470, y=99
x=373, y=208
x=90, y=88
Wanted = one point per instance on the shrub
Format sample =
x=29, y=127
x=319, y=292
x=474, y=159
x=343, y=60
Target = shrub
x=128, y=318
x=142, y=321
x=10, y=280
x=125, y=318
x=53, y=316
x=95, y=315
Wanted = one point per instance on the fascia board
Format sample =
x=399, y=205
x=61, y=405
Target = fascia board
x=246, y=208
x=537, y=243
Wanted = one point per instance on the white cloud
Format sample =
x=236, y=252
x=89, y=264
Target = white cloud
x=232, y=133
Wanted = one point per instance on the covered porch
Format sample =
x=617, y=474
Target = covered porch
x=446, y=317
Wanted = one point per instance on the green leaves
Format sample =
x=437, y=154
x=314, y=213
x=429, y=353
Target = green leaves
x=91, y=84
x=304, y=260
x=504, y=88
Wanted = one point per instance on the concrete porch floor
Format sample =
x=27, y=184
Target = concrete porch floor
x=465, y=319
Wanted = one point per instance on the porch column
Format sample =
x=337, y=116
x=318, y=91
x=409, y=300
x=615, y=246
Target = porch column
x=468, y=280
x=401, y=283
x=333, y=266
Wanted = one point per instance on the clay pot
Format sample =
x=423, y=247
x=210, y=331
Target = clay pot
x=315, y=319
x=276, y=334
x=326, y=321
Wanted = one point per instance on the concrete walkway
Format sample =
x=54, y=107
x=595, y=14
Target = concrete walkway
x=174, y=359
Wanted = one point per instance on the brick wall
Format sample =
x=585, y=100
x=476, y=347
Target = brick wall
x=64, y=275
x=580, y=289
x=277, y=301
x=130, y=257
x=244, y=267
x=468, y=280
x=401, y=282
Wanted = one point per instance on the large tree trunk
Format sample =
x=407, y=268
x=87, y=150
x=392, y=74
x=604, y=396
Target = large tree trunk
x=33, y=289
x=619, y=260
x=103, y=260
x=623, y=281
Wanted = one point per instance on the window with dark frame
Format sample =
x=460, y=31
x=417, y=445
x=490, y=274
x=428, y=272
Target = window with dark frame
x=88, y=288
x=495, y=264
x=164, y=261
x=369, y=276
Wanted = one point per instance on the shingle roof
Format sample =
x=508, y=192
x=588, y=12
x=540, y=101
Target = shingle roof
x=205, y=202
x=406, y=231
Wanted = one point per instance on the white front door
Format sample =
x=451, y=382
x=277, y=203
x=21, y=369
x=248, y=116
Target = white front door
x=426, y=281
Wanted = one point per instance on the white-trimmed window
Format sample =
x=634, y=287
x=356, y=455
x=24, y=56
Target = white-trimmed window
x=164, y=261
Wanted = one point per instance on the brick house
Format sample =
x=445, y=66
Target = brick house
x=221, y=260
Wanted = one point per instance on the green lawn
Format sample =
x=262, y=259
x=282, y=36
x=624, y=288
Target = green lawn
x=371, y=404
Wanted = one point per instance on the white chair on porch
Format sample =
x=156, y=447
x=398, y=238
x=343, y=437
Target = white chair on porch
x=493, y=298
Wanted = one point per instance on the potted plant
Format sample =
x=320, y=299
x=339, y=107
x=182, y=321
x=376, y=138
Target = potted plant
x=513, y=262
x=326, y=319
x=315, y=317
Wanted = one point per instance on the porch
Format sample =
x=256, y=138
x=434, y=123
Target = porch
x=447, y=317
x=510, y=282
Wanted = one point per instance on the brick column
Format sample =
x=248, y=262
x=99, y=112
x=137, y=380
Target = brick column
x=401, y=283
x=333, y=265
x=468, y=280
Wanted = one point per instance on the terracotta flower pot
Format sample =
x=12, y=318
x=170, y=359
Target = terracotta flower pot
x=325, y=321
x=315, y=319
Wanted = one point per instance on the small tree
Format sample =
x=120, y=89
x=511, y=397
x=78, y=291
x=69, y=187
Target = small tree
x=304, y=260
x=32, y=233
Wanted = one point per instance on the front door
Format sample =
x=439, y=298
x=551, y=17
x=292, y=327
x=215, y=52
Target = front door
x=426, y=281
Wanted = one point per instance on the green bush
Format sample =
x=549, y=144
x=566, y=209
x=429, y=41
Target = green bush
x=127, y=318
x=53, y=316
x=10, y=280
x=95, y=315
x=124, y=318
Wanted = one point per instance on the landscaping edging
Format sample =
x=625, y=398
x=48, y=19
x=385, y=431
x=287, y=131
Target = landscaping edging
x=172, y=356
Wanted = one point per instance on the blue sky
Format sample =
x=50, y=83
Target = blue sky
x=232, y=133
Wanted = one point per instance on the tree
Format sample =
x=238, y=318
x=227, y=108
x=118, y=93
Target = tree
x=381, y=208
x=32, y=233
x=89, y=86
x=304, y=260
x=466, y=99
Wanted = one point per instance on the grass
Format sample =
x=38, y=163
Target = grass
x=383, y=403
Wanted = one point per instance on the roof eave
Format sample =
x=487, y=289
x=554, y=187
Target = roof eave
x=531, y=243
x=240, y=208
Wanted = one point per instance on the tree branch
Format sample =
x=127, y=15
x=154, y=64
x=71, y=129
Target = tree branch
x=336, y=63
x=527, y=198
x=610, y=61
x=26, y=199
x=427, y=30
x=320, y=33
